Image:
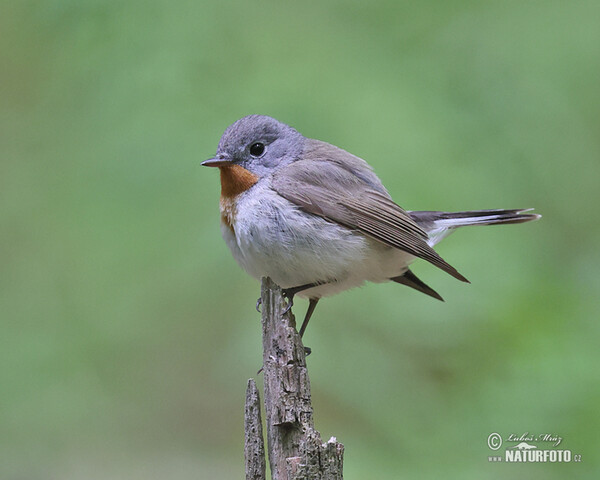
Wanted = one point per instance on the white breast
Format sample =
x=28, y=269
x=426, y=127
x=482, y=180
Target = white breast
x=274, y=238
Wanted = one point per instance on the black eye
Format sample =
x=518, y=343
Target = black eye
x=257, y=149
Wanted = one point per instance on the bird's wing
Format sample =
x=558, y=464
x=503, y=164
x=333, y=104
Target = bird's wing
x=330, y=190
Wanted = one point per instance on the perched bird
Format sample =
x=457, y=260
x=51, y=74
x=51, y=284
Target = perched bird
x=318, y=221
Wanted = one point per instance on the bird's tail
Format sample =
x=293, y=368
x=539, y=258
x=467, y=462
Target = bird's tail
x=440, y=224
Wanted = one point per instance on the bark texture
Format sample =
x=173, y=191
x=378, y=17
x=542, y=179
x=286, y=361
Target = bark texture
x=254, y=444
x=296, y=451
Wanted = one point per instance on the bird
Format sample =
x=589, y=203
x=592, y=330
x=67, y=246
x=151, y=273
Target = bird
x=318, y=220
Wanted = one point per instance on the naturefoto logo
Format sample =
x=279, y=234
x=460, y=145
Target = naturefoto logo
x=529, y=448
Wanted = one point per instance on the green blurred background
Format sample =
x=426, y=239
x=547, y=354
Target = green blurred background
x=128, y=332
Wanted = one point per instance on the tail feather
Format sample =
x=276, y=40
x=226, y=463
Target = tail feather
x=438, y=225
x=409, y=279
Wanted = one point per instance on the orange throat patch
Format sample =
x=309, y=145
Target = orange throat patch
x=234, y=181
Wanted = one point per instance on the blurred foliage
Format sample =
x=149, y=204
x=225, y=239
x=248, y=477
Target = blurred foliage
x=128, y=331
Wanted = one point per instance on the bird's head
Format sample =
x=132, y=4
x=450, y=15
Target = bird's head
x=259, y=144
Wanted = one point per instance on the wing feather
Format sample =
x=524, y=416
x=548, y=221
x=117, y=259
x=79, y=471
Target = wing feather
x=326, y=189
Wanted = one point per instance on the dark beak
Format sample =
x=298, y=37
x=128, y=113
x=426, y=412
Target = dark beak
x=216, y=162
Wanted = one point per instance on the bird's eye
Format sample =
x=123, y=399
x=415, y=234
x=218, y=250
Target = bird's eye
x=257, y=149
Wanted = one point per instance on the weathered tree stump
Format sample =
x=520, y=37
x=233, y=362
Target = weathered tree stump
x=254, y=444
x=295, y=448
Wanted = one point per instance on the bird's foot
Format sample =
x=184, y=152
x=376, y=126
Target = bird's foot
x=288, y=294
x=258, y=304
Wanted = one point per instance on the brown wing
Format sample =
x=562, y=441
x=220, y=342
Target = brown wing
x=327, y=189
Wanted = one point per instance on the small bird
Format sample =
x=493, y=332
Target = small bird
x=318, y=221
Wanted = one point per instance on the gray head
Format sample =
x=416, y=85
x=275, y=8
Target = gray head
x=259, y=144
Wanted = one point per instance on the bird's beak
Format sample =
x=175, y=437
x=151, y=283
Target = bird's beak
x=217, y=162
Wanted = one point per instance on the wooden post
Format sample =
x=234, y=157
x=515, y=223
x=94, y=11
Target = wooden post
x=295, y=448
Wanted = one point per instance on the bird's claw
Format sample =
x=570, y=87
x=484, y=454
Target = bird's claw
x=290, y=301
x=307, y=351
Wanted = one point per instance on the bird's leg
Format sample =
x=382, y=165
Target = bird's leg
x=312, y=303
x=289, y=293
